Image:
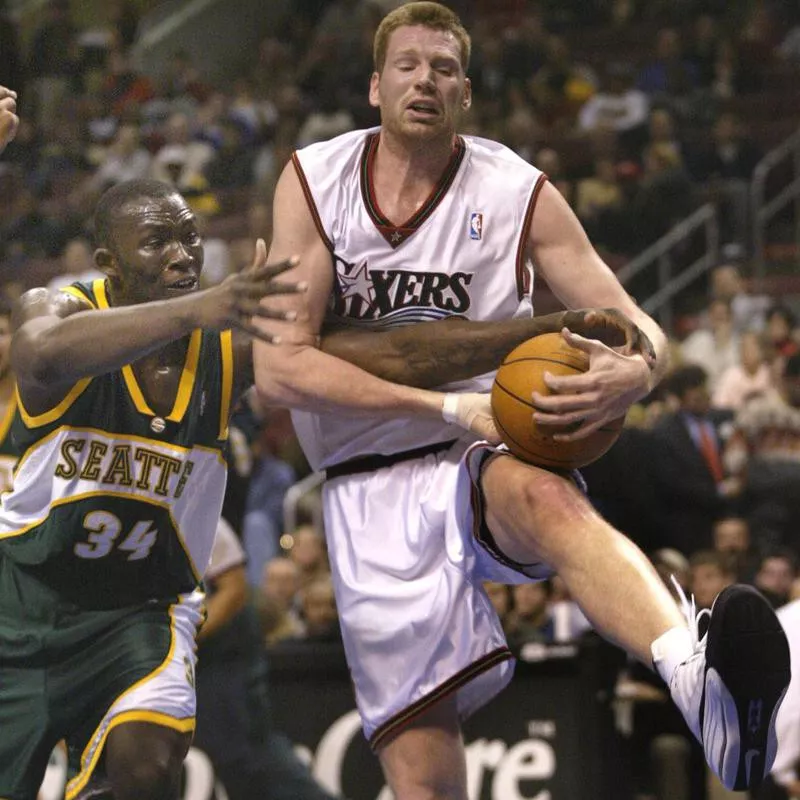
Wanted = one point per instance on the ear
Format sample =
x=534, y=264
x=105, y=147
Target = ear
x=104, y=261
x=466, y=102
x=374, y=93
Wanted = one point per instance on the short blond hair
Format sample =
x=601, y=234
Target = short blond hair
x=429, y=15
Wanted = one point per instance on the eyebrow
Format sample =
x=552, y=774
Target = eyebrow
x=189, y=219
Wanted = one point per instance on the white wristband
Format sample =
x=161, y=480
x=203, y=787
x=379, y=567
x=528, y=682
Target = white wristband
x=450, y=408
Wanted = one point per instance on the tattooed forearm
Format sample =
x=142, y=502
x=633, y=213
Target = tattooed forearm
x=435, y=353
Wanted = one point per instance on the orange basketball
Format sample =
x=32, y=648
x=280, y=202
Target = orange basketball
x=520, y=375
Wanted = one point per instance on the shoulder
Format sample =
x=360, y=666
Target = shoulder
x=491, y=155
x=346, y=145
x=42, y=301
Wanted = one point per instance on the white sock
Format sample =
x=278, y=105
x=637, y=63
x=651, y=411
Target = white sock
x=670, y=650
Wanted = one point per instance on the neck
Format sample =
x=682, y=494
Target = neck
x=413, y=161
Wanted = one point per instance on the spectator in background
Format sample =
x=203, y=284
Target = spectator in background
x=124, y=87
x=30, y=231
x=661, y=132
x=181, y=159
x=561, y=86
x=598, y=195
x=669, y=74
x=279, y=599
x=764, y=454
x=703, y=46
x=328, y=119
x=617, y=105
x=747, y=310
x=523, y=133
x=688, y=474
x=272, y=476
x=549, y=161
x=307, y=550
x=530, y=621
x=781, y=329
x=751, y=377
x=524, y=47
x=731, y=537
x=181, y=80
x=711, y=571
x=727, y=165
x=320, y=617
x=664, y=195
x=231, y=166
x=125, y=160
x=77, y=264
x=715, y=346
x=776, y=574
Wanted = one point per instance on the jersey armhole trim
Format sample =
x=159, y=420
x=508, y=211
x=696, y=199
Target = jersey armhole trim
x=58, y=411
x=523, y=276
x=78, y=293
x=226, y=349
x=312, y=206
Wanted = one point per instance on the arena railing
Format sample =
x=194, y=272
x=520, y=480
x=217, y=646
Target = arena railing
x=765, y=211
x=672, y=276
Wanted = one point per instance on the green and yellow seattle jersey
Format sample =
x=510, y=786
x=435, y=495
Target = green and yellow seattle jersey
x=113, y=505
x=8, y=450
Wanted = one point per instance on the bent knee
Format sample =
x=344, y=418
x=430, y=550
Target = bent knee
x=517, y=491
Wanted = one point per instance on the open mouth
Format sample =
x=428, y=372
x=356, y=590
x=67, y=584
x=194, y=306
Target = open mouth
x=187, y=284
x=423, y=109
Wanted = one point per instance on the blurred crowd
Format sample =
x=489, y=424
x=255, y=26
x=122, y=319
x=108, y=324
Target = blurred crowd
x=638, y=112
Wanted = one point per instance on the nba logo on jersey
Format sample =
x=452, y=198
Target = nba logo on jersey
x=475, y=225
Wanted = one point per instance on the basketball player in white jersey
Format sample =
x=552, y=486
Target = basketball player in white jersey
x=411, y=222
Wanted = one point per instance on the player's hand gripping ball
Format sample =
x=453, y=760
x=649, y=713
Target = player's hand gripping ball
x=520, y=375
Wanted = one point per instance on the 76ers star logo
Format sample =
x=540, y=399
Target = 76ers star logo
x=407, y=295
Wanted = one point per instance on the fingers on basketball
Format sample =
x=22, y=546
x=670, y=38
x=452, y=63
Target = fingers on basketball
x=519, y=376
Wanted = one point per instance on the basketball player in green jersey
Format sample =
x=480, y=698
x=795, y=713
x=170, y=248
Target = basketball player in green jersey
x=125, y=387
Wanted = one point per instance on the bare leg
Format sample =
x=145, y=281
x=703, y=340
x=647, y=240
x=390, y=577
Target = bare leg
x=426, y=760
x=144, y=760
x=535, y=515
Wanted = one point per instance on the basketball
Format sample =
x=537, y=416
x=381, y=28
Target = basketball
x=520, y=375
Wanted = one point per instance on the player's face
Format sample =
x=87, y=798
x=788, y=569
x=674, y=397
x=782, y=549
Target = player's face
x=158, y=251
x=422, y=90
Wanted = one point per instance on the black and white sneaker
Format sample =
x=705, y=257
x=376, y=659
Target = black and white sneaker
x=730, y=689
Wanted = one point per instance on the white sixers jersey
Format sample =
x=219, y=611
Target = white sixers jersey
x=462, y=253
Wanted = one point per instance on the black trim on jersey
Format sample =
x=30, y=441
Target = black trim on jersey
x=523, y=277
x=395, y=235
x=312, y=206
x=397, y=722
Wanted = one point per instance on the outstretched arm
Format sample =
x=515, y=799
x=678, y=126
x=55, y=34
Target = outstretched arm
x=58, y=339
x=434, y=353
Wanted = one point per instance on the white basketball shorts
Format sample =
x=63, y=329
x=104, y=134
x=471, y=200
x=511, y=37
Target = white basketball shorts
x=409, y=552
